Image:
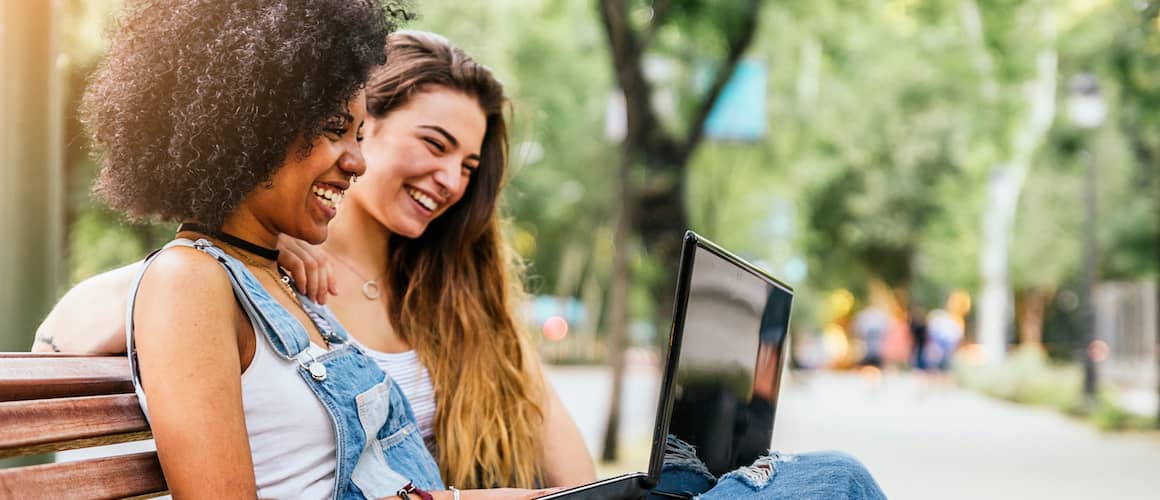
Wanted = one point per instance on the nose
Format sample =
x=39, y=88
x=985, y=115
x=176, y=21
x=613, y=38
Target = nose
x=352, y=161
x=448, y=178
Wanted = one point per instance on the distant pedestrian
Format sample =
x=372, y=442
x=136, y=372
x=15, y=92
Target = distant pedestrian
x=944, y=336
x=871, y=326
x=918, y=337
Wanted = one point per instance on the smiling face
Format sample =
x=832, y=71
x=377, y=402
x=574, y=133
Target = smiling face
x=307, y=191
x=420, y=159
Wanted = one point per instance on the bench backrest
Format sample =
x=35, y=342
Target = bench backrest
x=56, y=402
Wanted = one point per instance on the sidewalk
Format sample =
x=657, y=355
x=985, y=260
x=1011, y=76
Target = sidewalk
x=924, y=442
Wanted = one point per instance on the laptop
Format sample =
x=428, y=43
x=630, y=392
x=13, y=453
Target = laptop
x=722, y=372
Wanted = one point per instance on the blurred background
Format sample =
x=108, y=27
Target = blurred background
x=964, y=193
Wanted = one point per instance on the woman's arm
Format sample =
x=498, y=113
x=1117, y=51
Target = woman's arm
x=90, y=318
x=566, y=458
x=187, y=328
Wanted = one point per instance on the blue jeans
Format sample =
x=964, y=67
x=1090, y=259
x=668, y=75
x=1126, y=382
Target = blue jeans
x=827, y=475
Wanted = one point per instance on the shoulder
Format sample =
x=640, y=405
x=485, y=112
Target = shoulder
x=187, y=270
x=90, y=317
x=185, y=303
x=184, y=281
x=114, y=283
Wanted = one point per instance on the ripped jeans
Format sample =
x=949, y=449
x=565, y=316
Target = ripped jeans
x=825, y=475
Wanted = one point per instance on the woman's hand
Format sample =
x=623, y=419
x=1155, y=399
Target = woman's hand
x=309, y=265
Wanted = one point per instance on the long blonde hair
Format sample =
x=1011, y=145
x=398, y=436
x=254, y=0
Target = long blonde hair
x=452, y=292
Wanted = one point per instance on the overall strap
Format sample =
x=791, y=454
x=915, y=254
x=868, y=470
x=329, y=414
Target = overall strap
x=130, y=342
x=287, y=345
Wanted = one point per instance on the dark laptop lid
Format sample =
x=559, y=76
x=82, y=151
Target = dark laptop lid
x=726, y=346
x=726, y=353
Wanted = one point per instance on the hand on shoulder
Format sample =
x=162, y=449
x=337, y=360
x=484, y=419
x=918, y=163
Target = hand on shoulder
x=310, y=266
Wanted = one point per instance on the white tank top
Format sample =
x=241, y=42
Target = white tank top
x=415, y=382
x=288, y=463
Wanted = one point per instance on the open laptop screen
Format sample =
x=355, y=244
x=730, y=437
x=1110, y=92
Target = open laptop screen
x=731, y=353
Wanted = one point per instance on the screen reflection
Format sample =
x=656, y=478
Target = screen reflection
x=728, y=373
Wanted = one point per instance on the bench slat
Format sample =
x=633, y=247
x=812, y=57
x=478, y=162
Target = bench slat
x=115, y=477
x=55, y=424
x=39, y=376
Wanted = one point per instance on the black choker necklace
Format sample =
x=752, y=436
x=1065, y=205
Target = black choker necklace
x=259, y=250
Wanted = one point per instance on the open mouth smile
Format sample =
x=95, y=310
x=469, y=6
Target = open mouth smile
x=329, y=195
x=422, y=198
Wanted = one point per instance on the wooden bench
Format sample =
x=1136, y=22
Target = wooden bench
x=56, y=402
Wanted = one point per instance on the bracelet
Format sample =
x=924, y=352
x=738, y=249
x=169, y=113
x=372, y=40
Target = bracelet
x=454, y=492
x=405, y=491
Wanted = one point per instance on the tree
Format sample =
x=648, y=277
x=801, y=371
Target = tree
x=1016, y=59
x=1137, y=68
x=30, y=150
x=655, y=209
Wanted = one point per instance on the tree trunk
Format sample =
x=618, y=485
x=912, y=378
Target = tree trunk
x=618, y=306
x=665, y=157
x=995, y=297
x=31, y=173
x=662, y=222
x=31, y=147
x=1006, y=181
x=1031, y=309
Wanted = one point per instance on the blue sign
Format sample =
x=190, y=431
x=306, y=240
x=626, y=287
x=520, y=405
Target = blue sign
x=739, y=113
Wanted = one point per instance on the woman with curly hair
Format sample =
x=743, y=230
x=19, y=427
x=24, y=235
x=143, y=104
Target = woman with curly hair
x=241, y=119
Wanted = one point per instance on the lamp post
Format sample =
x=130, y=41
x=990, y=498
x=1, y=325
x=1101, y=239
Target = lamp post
x=1086, y=110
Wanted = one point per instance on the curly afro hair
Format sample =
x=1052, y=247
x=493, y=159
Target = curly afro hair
x=199, y=101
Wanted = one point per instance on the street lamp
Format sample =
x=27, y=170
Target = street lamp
x=1086, y=110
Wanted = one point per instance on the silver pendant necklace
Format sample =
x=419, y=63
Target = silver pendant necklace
x=370, y=288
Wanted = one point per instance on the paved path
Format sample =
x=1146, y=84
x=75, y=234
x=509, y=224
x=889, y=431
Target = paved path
x=925, y=442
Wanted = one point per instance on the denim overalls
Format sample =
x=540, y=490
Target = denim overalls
x=360, y=399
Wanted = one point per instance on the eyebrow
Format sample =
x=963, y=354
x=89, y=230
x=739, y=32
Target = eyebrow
x=450, y=138
x=346, y=118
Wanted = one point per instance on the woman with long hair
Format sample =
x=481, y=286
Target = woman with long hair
x=423, y=226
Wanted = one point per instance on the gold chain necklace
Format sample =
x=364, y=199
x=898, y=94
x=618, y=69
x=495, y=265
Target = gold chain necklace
x=370, y=288
x=283, y=280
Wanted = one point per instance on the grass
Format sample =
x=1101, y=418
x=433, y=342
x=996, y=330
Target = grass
x=1028, y=377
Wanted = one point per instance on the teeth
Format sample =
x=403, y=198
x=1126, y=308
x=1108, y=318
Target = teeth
x=329, y=197
x=423, y=199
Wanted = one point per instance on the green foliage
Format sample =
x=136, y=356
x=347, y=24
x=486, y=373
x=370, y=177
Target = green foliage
x=1110, y=416
x=885, y=120
x=104, y=244
x=1028, y=377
